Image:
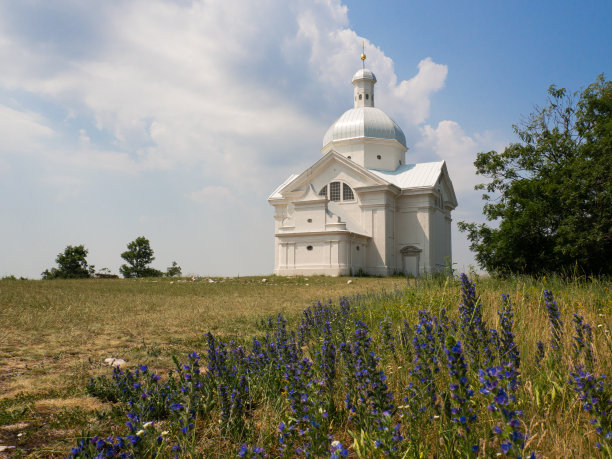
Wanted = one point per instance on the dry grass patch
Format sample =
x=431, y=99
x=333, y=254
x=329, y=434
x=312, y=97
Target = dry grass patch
x=55, y=335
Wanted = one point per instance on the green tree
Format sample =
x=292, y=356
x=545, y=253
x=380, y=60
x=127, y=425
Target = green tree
x=72, y=264
x=174, y=270
x=139, y=256
x=551, y=193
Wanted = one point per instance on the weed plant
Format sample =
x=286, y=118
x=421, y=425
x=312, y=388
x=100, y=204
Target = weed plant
x=369, y=377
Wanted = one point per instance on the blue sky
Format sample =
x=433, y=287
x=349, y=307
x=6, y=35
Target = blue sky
x=175, y=120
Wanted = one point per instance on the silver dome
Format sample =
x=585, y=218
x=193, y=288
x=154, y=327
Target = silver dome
x=362, y=74
x=364, y=122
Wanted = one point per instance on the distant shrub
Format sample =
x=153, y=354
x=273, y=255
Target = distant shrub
x=71, y=264
x=174, y=270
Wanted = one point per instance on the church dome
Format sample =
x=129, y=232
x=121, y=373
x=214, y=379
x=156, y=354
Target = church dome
x=364, y=122
x=364, y=74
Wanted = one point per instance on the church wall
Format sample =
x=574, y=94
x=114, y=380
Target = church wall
x=415, y=221
x=424, y=218
x=309, y=217
x=365, y=152
x=410, y=230
x=349, y=211
x=441, y=245
x=377, y=208
x=334, y=254
x=390, y=156
x=356, y=152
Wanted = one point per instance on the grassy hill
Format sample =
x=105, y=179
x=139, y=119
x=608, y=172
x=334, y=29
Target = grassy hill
x=55, y=336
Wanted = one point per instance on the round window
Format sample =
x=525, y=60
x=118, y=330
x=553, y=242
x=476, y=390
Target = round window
x=309, y=220
x=309, y=247
x=378, y=156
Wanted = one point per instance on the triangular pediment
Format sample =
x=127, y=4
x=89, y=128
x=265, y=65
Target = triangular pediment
x=302, y=183
x=448, y=186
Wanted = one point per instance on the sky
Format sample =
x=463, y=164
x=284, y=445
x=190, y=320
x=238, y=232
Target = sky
x=175, y=120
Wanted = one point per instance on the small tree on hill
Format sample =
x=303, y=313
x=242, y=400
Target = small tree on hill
x=139, y=256
x=72, y=264
x=174, y=270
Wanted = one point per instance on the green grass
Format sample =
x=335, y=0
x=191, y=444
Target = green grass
x=55, y=335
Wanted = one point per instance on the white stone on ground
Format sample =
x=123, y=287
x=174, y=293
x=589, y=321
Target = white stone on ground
x=111, y=361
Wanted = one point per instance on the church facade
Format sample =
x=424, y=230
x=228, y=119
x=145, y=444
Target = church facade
x=361, y=208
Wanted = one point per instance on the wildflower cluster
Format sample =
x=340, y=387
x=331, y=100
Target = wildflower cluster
x=473, y=328
x=499, y=384
x=595, y=393
x=508, y=350
x=301, y=392
x=368, y=400
x=462, y=413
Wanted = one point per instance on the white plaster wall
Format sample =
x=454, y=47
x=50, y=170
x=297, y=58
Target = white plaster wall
x=354, y=150
x=318, y=256
x=363, y=87
x=390, y=156
x=365, y=151
x=331, y=254
x=315, y=213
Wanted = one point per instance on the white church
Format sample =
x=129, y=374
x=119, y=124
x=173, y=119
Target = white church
x=362, y=208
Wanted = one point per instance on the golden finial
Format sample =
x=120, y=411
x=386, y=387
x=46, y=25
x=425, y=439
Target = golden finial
x=363, y=56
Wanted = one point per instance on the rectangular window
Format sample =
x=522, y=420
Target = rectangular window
x=334, y=191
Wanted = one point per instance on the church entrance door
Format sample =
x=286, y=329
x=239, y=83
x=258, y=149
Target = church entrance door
x=410, y=260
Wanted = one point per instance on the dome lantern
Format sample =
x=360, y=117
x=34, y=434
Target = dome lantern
x=365, y=134
x=363, y=88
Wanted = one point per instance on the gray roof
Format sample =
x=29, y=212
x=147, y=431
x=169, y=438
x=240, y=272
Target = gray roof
x=364, y=74
x=412, y=175
x=364, y=122
x=421, y=175
x=276, y=193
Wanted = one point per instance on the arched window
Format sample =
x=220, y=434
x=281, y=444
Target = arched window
x=338, y=191
x=334, y=191
x=347, y=193
x=360, y=96
x=367, y=96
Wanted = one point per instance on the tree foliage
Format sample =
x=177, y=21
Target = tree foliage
x=551, y=193
x=174, y=270
x=72, y=264
x=138, y=257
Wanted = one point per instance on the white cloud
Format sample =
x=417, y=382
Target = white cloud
x=197, y=83
x=213, y=194
x=228, y=96
x=416, y=92
x=449, y=142
x=22, y=131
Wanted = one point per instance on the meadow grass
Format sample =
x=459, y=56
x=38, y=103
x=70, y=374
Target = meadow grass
x=55, y=335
